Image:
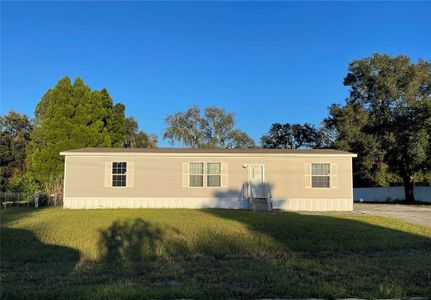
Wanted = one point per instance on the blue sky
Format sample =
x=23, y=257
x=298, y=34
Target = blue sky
x=265, y=62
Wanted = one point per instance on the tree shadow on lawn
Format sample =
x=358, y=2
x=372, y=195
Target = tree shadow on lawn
x=27, y=264
x=318, y=234
x=235, y=254
x=340, y=257
x=149, y=259
x=281, y=255
x=11, y=214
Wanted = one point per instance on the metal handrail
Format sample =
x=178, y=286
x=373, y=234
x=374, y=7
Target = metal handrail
x=248, y=193
x=268, y=195
x=246, y=190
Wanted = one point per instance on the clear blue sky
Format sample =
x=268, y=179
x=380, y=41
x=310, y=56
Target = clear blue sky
x=266, y=62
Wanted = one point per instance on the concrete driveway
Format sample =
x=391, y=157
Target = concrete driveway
x=416, y=214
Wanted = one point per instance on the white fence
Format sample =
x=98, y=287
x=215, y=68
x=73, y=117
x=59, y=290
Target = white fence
x=392, y=193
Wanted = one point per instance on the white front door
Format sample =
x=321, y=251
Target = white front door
x=256, y=179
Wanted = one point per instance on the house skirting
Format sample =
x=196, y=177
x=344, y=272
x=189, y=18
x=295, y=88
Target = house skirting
x=196, y=203
x=313, y=204
x=91, y=203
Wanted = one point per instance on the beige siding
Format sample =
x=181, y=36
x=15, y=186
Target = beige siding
x=158, y=181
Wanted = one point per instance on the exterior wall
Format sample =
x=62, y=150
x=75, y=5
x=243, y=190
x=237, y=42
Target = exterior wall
x=158, y=182
x=387, y=194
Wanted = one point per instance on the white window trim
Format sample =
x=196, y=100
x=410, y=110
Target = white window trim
x=329, y=175
x=127, y=175
x=205, y=174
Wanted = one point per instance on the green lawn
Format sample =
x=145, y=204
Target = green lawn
x=104, y=254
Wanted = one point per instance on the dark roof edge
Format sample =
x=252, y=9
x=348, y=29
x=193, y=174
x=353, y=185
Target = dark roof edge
x=104, y=151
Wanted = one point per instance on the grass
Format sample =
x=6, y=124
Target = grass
x=53, y=253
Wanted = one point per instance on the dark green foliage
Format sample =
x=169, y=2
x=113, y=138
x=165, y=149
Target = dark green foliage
x=15, y=131
x=136, y=138
x=387, y=120
x=369, y=167
x=213, y=129
x=293, y=136
x=71, y=116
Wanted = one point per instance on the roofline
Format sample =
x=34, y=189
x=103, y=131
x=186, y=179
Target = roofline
x=179, y=154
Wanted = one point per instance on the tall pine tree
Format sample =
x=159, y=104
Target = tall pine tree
x=72, y=116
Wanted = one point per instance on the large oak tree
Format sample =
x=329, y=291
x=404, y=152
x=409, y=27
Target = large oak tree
x=293, y=136
x=387, y=120
x=136, y=138
x=215, y=128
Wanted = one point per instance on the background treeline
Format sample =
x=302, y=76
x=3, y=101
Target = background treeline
x=386, y=120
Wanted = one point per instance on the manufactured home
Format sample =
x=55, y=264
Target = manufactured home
x=264, y=179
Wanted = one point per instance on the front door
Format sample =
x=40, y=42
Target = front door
x=257, y=181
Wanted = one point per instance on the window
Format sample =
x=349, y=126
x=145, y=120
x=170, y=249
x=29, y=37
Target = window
x=213, y=174
x=196, y=174
x=119, y=172
x=203, y=174
x=320, y=175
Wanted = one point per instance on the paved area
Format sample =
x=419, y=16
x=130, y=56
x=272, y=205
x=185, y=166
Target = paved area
x=411, y=298
x=416, y=214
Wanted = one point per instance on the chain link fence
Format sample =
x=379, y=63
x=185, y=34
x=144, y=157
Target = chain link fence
x=48, y=199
